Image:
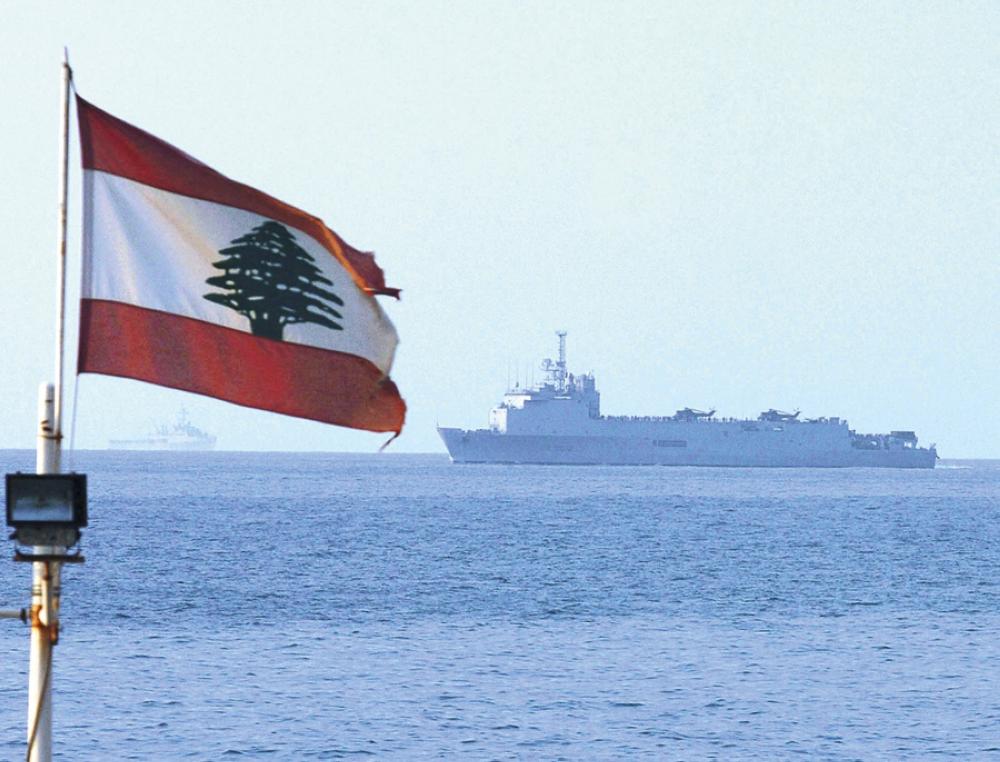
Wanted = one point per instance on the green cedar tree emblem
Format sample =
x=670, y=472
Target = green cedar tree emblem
x=273, y=281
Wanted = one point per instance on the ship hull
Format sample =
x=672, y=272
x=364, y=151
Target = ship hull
x=758, y=449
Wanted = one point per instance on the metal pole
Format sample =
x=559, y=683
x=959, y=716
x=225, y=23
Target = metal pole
x=45, y=582
x=45, y=589
x=67, y=79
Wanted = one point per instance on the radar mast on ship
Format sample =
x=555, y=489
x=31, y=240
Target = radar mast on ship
x=555, y=372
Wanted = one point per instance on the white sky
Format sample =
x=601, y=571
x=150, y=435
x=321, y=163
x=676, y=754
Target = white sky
x=729, y=205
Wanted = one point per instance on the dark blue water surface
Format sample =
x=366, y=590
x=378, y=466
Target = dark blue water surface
x=280, y=606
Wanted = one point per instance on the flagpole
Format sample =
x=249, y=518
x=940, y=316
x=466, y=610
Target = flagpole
x=45, y=589
x=67, y=81
x=45, y=583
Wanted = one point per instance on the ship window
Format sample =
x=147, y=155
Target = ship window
x=669, y=443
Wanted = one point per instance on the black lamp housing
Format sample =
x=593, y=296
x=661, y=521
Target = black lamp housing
x=41, y=501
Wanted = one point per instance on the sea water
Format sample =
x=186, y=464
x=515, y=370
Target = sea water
x=319, y=606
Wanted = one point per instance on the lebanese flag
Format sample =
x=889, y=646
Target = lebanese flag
x=196, y=282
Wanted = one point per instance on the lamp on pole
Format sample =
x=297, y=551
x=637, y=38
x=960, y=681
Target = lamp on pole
x=47, y=509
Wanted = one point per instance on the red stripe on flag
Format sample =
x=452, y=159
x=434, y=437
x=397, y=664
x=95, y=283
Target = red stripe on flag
x=134, y=342
x=111, y=145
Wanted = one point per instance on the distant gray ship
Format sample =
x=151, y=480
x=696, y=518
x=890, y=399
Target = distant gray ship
x=182, y=435
x=559, y=421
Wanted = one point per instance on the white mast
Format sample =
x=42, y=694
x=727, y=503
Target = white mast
x=45, y=585
x=561, y=365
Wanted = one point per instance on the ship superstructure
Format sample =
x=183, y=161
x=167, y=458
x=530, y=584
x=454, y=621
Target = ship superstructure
x=559, y=421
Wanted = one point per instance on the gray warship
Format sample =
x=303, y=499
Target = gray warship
x=559, y=421
x=182, y=435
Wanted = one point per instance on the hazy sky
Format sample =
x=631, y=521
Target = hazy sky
x=728, y=205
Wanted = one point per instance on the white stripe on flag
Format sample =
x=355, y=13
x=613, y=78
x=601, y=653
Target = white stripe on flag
x=154, y=249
